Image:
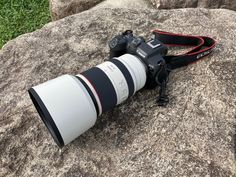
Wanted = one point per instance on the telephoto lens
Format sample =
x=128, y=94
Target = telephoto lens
x=69, y=105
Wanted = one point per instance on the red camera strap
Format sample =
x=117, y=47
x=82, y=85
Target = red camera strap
x=202, y=46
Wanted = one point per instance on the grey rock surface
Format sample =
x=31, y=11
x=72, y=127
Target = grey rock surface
x=63, y=8
x=193, y=136
x=129, y=4
x=173, y=4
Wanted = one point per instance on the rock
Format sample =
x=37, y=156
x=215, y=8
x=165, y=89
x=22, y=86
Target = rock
x=193, y=136
x=63, y=8
x=130, y=4
x=172, y=4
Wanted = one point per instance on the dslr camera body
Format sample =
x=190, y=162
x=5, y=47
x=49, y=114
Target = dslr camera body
x=151, y=53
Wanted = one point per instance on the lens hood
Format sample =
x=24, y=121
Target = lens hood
x=65, y=107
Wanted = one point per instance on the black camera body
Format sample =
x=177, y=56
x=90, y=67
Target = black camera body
x=150, y=52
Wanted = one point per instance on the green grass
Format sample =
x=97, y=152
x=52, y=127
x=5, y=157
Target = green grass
x=21, y=16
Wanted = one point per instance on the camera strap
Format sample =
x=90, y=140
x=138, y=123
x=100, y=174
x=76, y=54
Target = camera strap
x=202, y=46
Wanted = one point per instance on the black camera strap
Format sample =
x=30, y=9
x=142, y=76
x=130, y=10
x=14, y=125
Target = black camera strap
x=202, y=46
x=153, y=54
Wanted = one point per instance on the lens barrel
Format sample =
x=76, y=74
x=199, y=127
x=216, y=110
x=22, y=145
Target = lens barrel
x=69, y=105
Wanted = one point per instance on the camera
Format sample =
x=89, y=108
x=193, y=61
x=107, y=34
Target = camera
x=69, y=105
x=150, y=52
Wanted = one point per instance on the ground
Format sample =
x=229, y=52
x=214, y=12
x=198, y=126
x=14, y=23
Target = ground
x=21, y=16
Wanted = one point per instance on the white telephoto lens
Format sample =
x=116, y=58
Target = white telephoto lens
x=69, y=105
